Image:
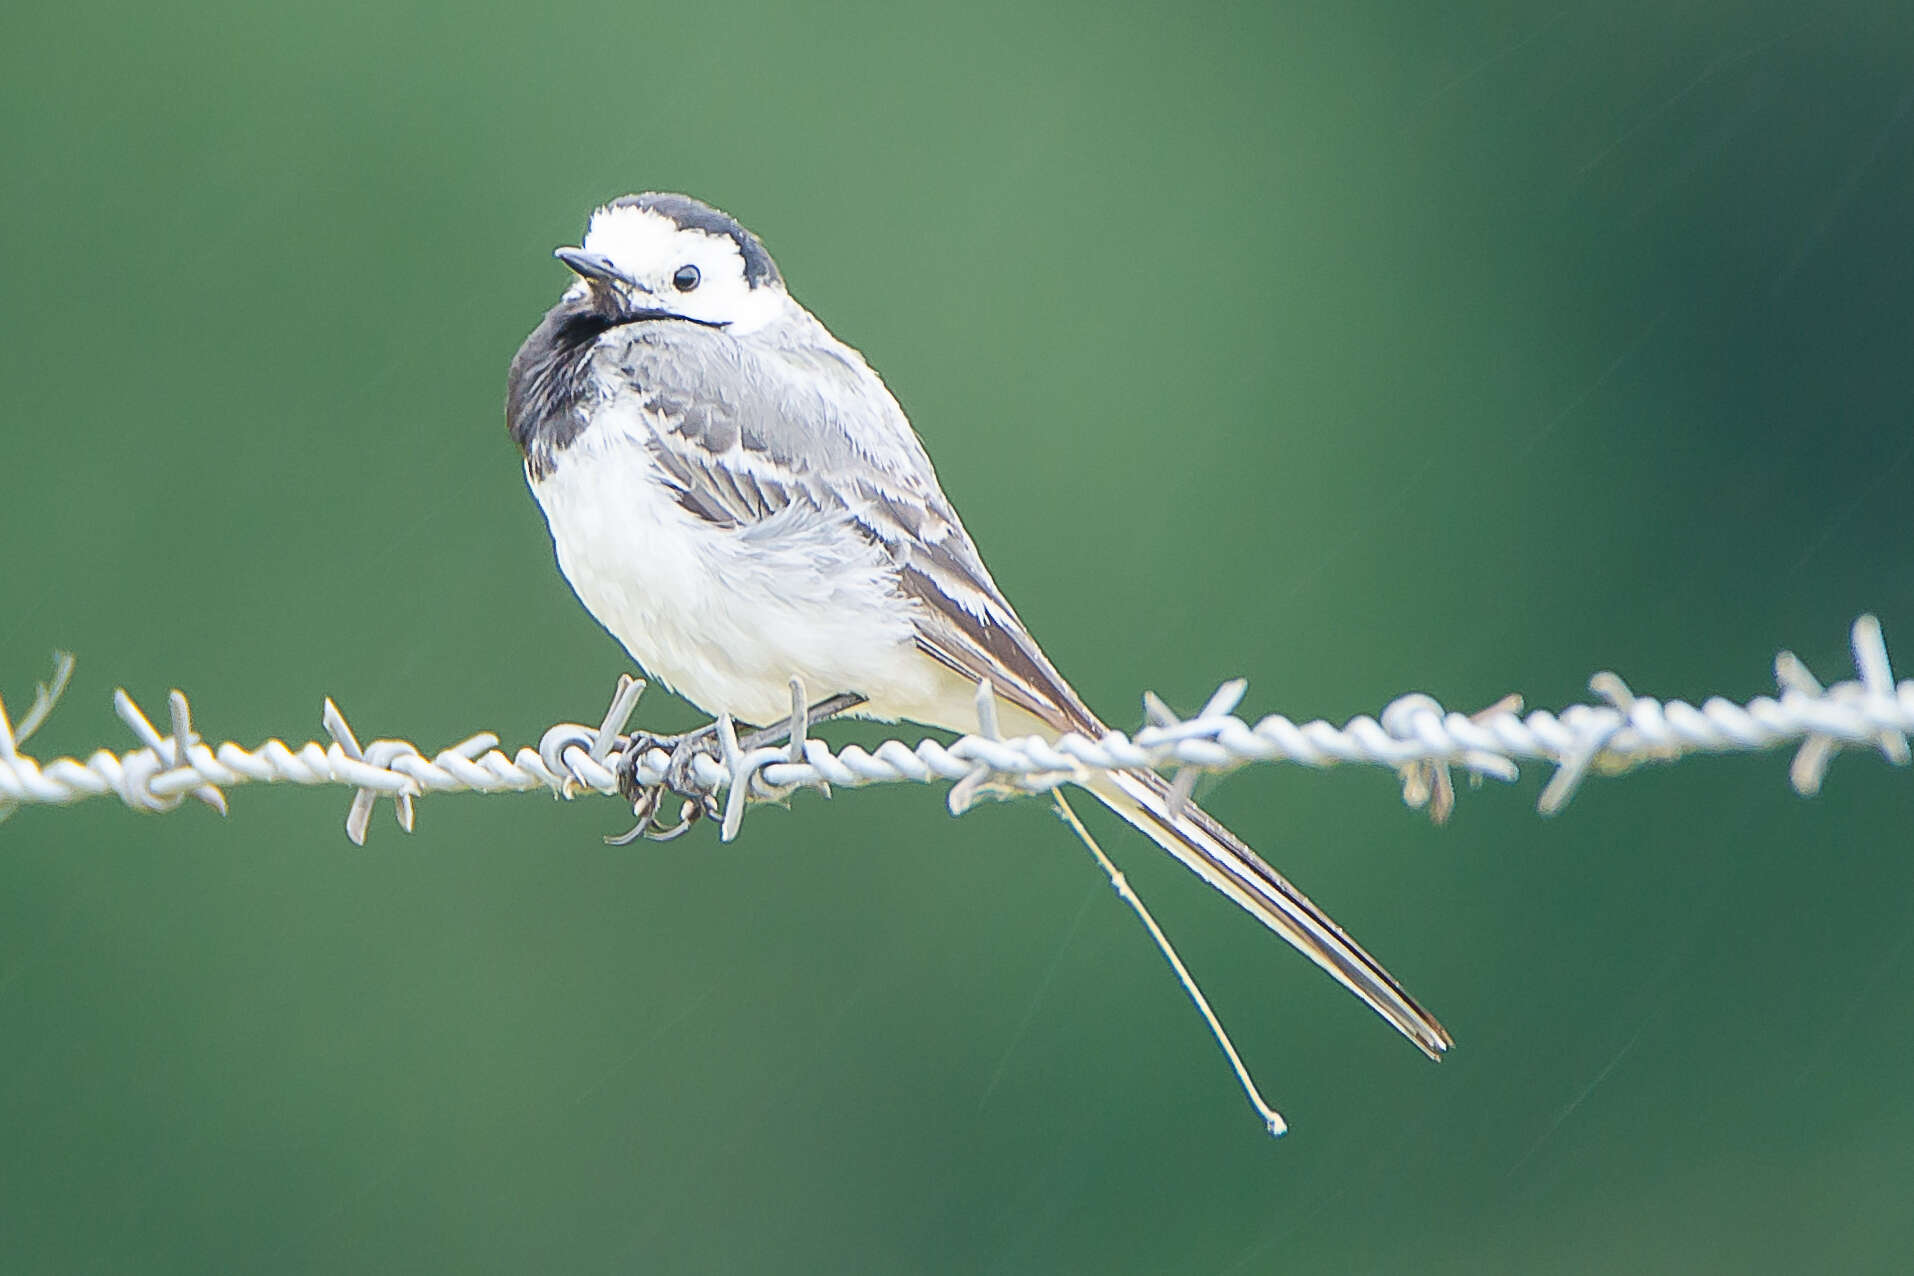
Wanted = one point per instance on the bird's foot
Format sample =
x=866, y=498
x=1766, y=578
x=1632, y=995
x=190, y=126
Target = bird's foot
x=649, y=802
x=698, y=800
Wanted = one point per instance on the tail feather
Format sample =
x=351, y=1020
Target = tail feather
x=1220, y=858
x=1036, y=698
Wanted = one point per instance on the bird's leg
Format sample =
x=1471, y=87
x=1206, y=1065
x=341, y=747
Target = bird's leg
x=700, y=800
x=822, y=711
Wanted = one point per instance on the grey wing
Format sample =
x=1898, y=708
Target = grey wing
x=742, y=437
x=964, y=621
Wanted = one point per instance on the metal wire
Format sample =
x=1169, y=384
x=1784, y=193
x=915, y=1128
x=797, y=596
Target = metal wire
x=1414, y=735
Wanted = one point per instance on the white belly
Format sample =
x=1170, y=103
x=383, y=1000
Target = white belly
x=724, y=616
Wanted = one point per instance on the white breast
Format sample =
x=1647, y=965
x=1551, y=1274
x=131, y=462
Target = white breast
x=724, y=616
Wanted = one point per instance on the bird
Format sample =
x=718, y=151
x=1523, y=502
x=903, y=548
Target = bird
x=739, y=499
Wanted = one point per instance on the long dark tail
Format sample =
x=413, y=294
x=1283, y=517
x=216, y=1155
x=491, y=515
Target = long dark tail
x=1220, y=858
x=1003, y=650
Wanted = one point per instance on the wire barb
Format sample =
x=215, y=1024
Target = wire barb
x=720, y=773
x=12, y=735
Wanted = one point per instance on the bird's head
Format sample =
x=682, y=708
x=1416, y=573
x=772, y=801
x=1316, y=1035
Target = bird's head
x=663, y=256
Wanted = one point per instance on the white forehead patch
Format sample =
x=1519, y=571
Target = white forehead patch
x=642, y=242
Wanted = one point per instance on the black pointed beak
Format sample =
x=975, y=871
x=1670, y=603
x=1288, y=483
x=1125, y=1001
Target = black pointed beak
x=594, y=267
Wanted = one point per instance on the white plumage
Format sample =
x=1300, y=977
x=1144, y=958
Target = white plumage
x=736, y=496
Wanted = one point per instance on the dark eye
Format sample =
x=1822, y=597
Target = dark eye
x=686, y=279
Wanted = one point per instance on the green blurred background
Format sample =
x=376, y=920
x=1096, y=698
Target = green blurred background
x=1351, y=348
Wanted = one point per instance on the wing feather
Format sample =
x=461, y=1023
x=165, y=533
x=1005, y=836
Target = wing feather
x=739, y=443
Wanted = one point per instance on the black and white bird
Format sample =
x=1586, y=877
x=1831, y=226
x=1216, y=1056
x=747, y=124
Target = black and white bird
x=736, y=496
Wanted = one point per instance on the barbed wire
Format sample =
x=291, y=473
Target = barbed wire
x=1414, y=735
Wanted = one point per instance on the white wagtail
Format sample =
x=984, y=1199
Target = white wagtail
x=736, y=496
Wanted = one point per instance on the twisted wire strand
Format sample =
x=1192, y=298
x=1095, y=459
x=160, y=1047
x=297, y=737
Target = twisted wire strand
x=1413, y=735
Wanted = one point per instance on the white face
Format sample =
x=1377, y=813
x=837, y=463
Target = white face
x=661, y=257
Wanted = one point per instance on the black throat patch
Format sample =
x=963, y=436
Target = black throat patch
x=546, y=390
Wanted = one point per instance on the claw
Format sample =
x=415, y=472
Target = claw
x=645, y=807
